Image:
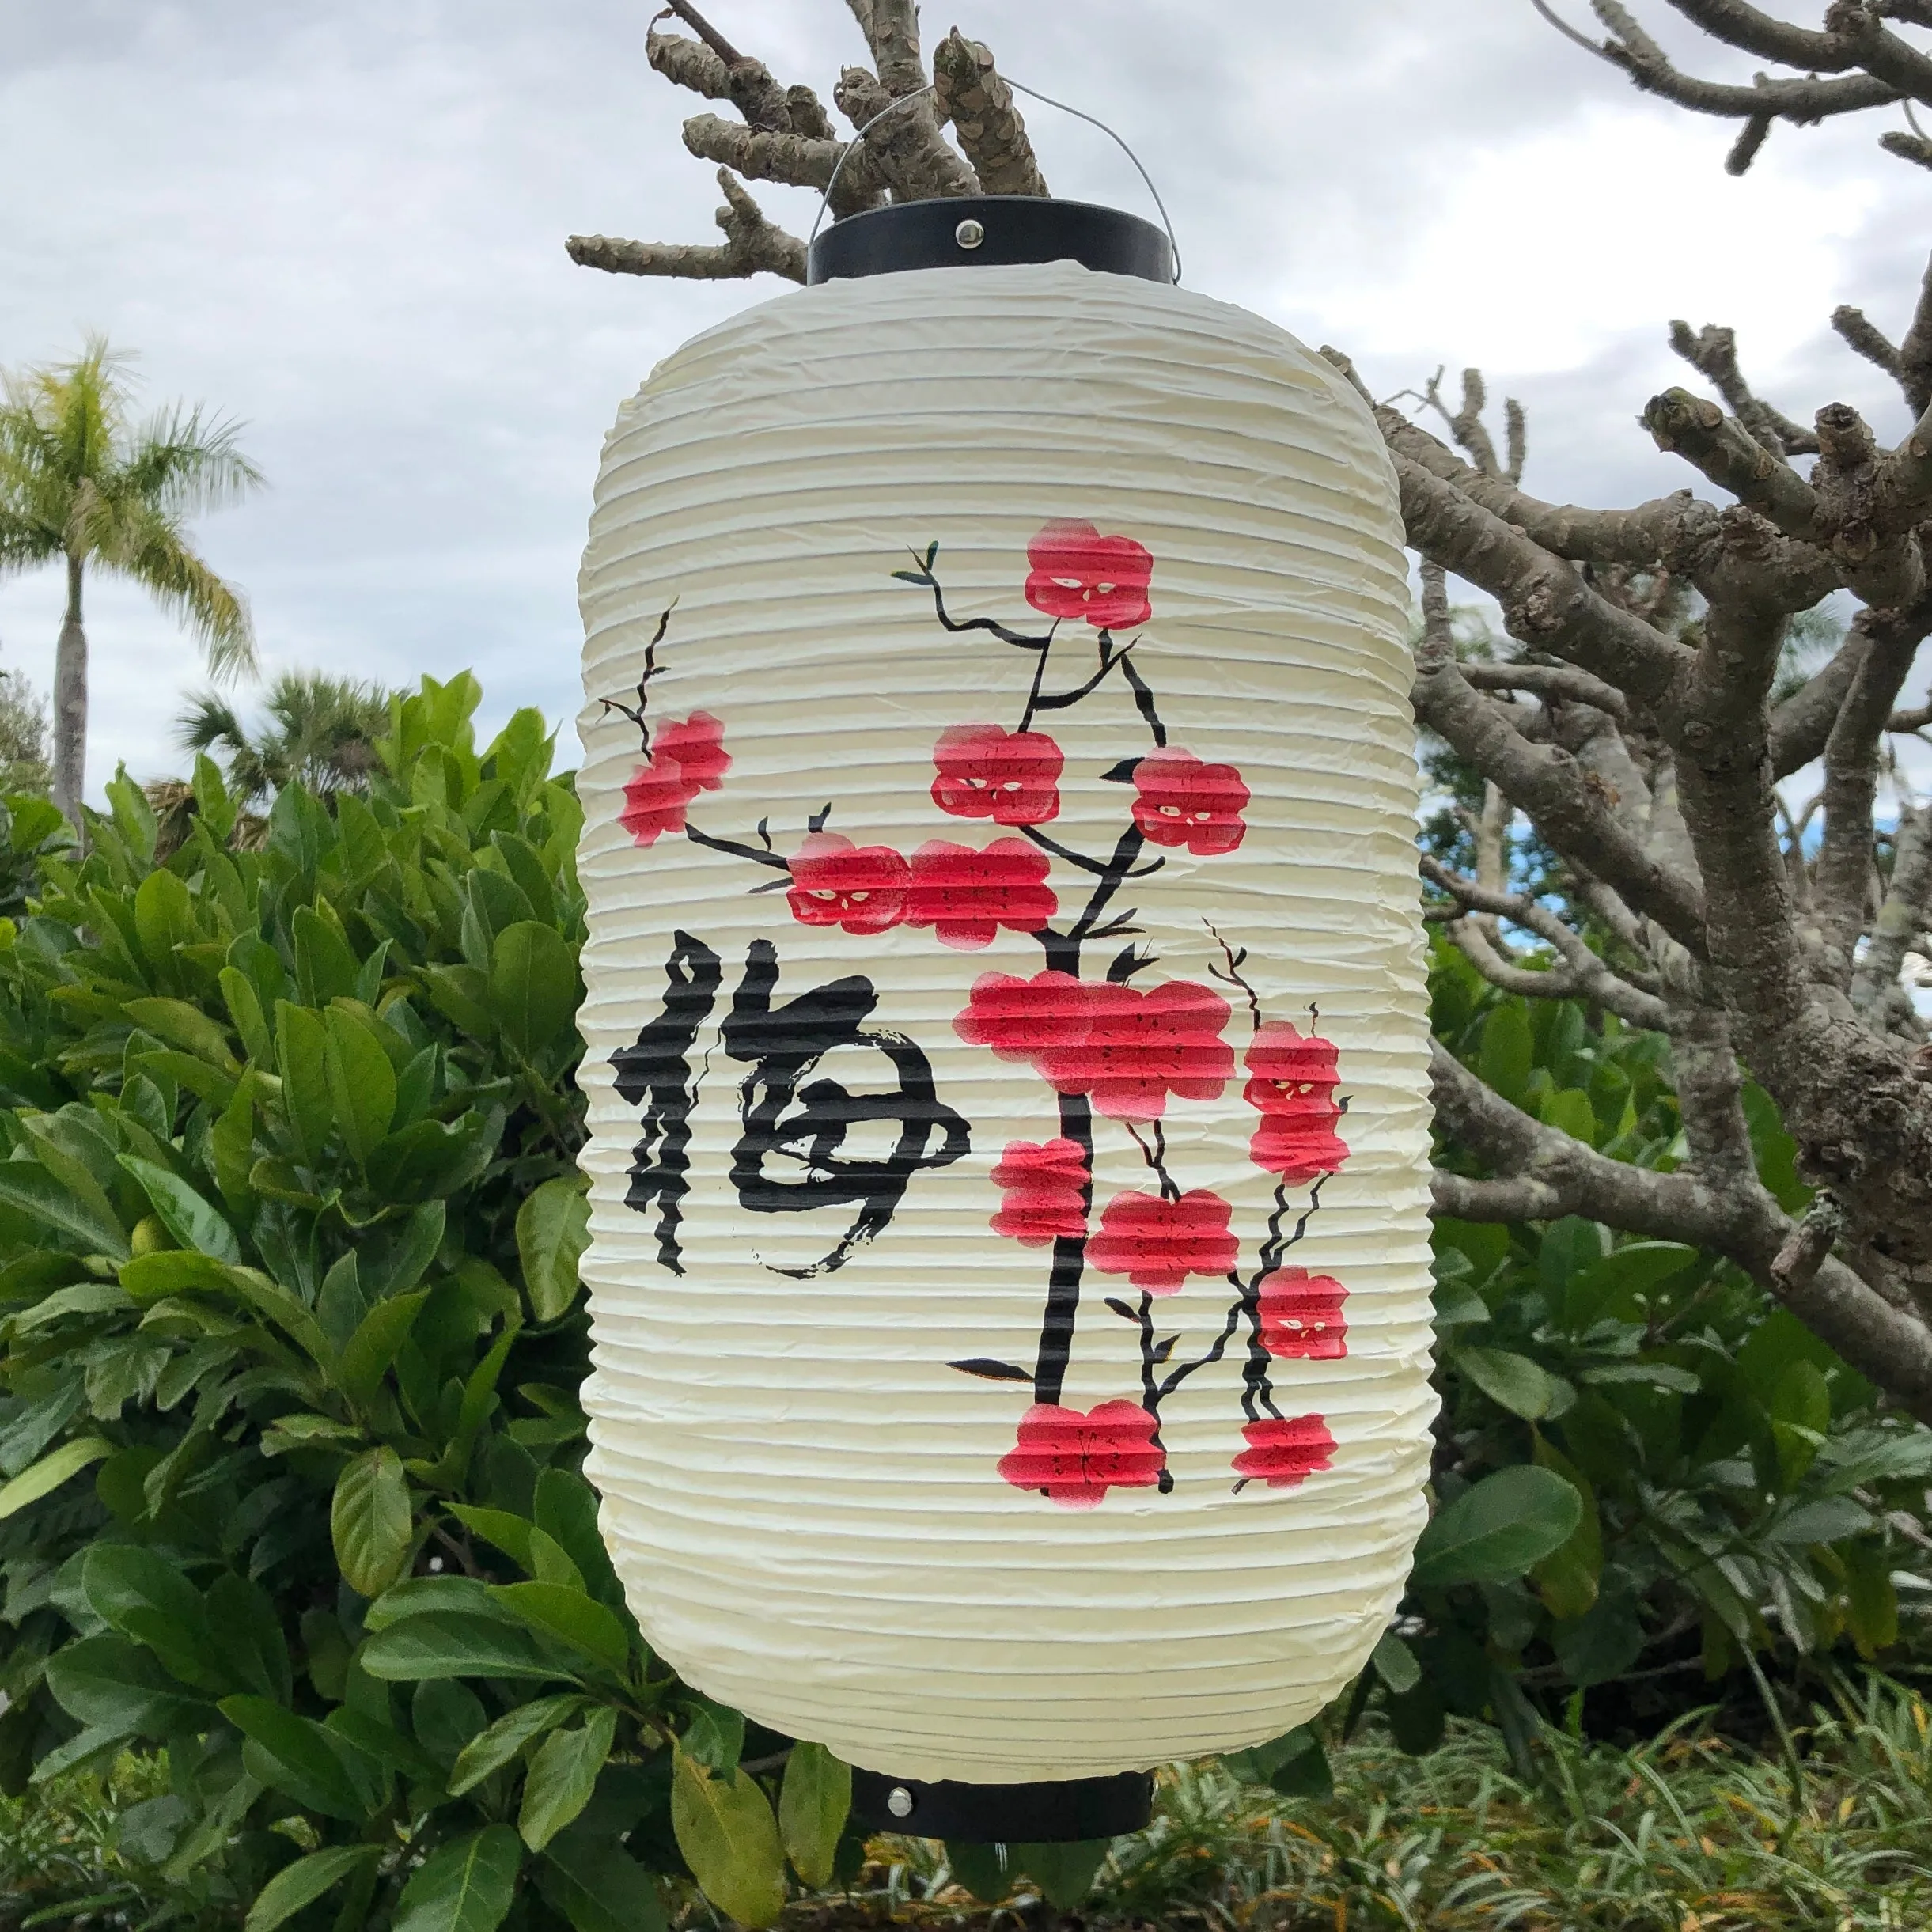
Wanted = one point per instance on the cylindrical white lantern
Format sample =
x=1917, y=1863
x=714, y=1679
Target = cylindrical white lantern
x=1006, y=1037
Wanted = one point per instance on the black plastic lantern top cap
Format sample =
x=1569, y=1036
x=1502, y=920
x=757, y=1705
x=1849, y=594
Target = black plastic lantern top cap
x=992, y=231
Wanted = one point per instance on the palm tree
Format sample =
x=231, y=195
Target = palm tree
x=81, y=481
x=320, y=733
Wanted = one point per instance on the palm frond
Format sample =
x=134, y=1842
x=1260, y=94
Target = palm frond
x=144, y=543
x=208, y=722
x=183, y=463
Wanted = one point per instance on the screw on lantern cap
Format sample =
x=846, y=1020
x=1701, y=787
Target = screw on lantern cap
x=993, y=231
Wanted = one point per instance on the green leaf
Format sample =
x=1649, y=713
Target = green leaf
x=1512, y=1381
x=553, y=1230
x=187, y=1027
x=299, y=1756
x=1508, y=1051
x=494, y=1747
x=301, y=1058
x=981, y=1868
x=570, y=1617
x=1871, y=1598
x=532, y=985
x=1496, y=1529
x=43, y=1477
x=369, y=1520
x=245, y=1008
x=726, y=1830
x=1569, y=1111
x=1610, y=1286
x=183, y=1213
x=1566, y=1579
x=1603, y=1643
x=1824, y=1520
x=151, y=1278
x=1064, y=1872
x=433, y=1158
x=143, y=1595
x=599, y=1887
x=372, y=1348
x=305, y=1881
x=29, y=1187
x=324, y=966
x=1396, y=1664
x=562, y=1776
x=362, y=1083
x=814, y=1802
x=442, y=1643
x=108, y=1683
x=511, y=1533
x=467, y=1886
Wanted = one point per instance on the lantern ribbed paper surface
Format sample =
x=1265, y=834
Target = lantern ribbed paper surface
x=1006, y=1035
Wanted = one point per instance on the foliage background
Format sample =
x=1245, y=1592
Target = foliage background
x=288, y=1226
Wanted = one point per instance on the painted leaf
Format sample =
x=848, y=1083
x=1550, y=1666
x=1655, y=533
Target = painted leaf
x=1496, y=1530
x=369, y=1520
x=729, y=1839
x=553, y=1230
x=562, y=1774
x=469, y=1886
x=814, y=1802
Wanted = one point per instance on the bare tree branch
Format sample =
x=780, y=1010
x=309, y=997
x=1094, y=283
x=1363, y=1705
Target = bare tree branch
x=1580, y=973
x=752, y=245
x=1546, y=1173
x=1549, y=680
x=748, y=83
x=1870, y=340
x=906, y=146
x=971, y=94
x=1545, y=781
x=1712, y=350
x=789, y=158
x=1843, y=877
x=1906, y=912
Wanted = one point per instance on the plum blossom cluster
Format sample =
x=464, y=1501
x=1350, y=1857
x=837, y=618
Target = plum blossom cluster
x=1109, y=1049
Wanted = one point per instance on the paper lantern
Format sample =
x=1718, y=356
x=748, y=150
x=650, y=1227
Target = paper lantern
x=1006, y=1040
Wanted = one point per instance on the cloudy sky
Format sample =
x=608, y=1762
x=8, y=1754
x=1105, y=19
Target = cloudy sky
x=343, y=224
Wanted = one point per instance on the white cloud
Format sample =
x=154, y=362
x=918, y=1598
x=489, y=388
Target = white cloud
x=345, y=224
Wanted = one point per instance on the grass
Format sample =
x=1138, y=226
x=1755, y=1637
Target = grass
x=1687, y=1834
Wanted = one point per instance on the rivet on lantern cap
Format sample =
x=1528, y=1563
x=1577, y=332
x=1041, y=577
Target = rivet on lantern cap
x=969, y=234
x=899, y=1801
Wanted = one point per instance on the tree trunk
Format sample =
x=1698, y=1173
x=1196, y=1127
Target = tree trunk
x=71, y=703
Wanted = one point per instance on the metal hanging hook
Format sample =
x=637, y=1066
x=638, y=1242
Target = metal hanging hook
x=1032, y=94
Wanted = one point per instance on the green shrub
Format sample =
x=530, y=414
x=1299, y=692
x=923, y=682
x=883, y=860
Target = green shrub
x=289, y=1227
x=289, y=1220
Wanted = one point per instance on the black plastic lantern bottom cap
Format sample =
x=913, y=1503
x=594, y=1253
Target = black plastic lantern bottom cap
x=1058, y=1811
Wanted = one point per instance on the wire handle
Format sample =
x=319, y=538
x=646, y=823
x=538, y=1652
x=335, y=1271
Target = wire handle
x=1032, y=94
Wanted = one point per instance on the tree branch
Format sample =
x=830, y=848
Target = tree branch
x=1545, y=602
x=791, y=159
x=1544, y=1173
x=1547, y=781
x=970, y=94
x=752, y=245
x=907, y=147
x=1713, y=352
x=1906, y=912
x=1580, y=973
x=1561, y=682
x=1843, y=874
